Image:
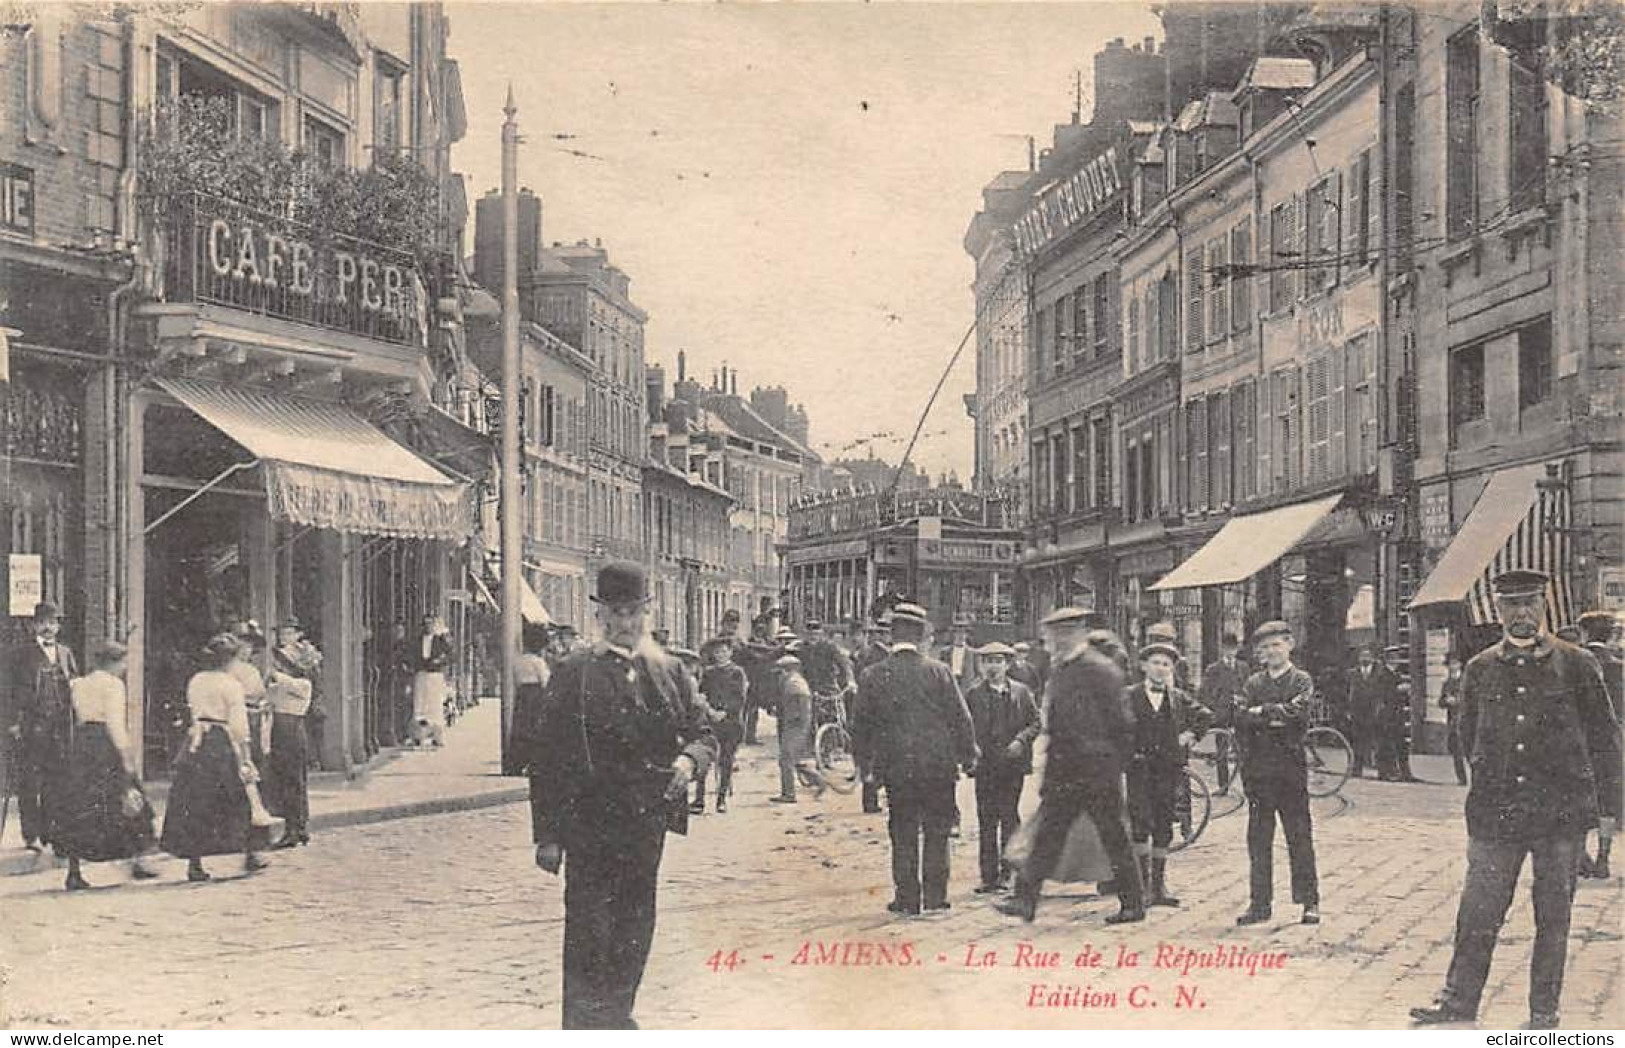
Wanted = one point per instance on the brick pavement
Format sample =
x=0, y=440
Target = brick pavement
x=444, y=922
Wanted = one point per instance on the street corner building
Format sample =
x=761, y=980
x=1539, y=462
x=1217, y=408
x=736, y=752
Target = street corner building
x=226, y=395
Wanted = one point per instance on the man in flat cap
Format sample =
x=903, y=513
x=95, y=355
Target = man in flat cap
x=1545, y=750
x=1370, y=691
x=913, y=735
x=621, y=736
x=1600, y=631
x=1004, y=713
x=1271, y=718
x=1091, y=737
x=792, y=711
x=38, y=717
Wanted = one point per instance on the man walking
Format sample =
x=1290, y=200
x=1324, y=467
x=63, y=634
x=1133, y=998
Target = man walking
x=793, y=712
x=38, y=719
x=1450, y=702
x=1005, y=717
x=621, y=738
x=1370, y=690
x=1600, y=631
x=1091, y=735
x=1545, y=749
x=1221, y=684
x=725, y=689
x=914, y=733
x=959, y=656
x=876, y=646
x=1272, y=716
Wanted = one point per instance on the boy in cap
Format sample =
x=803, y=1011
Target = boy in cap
x=1271, y=718
x=1546, y=768
x=1004, y=713
x=725, y=688
x=1166, y=721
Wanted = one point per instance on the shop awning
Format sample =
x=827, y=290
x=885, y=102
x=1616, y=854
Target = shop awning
x=531, y=608
x=327, y=467
x=1514, y=524
x=1248, y=544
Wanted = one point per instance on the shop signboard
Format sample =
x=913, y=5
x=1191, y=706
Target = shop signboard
x=25, y=582
x=1438, y=650
x=17, y=199
x=1435, y=514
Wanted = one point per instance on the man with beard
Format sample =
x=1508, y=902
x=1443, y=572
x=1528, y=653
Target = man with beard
x=621, y=736
x=1545, y=751
x=38, y=719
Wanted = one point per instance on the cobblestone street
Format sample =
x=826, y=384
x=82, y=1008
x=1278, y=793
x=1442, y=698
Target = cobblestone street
x=442, y=921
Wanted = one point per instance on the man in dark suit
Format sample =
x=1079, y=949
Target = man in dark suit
x=913, y=735
x=876, y=647
x=1221, y=683
x=1370, y=692
x=622, y=735
x=1545, y=748
x=1023, y=670
x=959, y=656
x=38, y=719
x=1271, y=717
x=1091, y=735
x=1600, y=630
x=1166, y=721
x=1005, y=716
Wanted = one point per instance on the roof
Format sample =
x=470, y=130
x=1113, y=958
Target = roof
x=1144, y=127
x=1009, y=180
x=743, y=420
x=1279, y=74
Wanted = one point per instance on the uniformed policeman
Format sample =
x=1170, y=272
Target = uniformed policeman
x=620, y=737
x=1544, y=746
x=1271, y=718
x=1600, y=631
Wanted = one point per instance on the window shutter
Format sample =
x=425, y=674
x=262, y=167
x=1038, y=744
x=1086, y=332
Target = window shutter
x=1264, y=434
x=1133, y=353
x=1241, y=283
x=1218, y=419
x=1194, y=278
x=1289, y=407
x=1333, y=241
x=1297, y=223
x=1219, y=306
x=1337, y=411
x=1244, y=414
x=1319, y=422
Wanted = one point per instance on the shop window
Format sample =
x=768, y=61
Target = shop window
x=1241, y=280
x=1461, y=133
x=1534, y=363
x=1466, y=386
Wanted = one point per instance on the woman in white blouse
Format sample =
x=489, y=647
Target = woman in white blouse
x=209, y=811
x=104, y=814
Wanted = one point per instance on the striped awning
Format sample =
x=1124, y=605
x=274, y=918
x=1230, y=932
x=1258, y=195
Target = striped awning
x=1515, y=524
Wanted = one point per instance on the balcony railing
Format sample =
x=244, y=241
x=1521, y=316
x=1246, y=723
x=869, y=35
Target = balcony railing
x=229, y=254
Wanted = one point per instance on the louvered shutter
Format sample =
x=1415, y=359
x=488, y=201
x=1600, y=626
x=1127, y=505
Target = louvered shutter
x=1319, y=442
x=1337, y=411
x=1241, y=283
x=1219, y=303
x=1194, y=279
x=1264, y=434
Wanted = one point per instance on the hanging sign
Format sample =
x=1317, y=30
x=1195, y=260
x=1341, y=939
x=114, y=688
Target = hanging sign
x=25, y=581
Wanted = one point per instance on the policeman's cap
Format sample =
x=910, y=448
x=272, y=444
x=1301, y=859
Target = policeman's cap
x=1521, y=582
x=1272, y=628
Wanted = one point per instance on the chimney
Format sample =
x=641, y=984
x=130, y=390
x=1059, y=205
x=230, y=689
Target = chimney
x=488, y=237
x=713, y=380
x=682, y=365
x=733, y=383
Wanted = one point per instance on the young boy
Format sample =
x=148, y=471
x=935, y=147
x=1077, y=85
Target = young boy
x=1166, y=721
x=1271, y=718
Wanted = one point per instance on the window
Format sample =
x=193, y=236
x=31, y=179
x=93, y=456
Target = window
x=1288, y=430
x=1461, y=134
x=249, y=113
x=1168, y=317
x=1534, y=363
x=1244, y=419
x=1040, y=474
x=1218, y=299
x=1103, y=314
x=1282, y=289
x=1080, y=323
x=1526, y=101
x=1057, y=478
x=1196, y=467
x=547, y=417
x=1195, y=279
x=1134, y=351
x=1080, y=468
x=1131, y=490
x=1058, y=330
x=1362, y=380
x=388, y=104
x=1153, y=328
x=1241, y=280
x=1041, y=344
x=1218, y=442
x=1466, y=385
x=1149, y=501
x=1101, y=444
x=1321, y=234
x=325, y=142
x=1359, y=210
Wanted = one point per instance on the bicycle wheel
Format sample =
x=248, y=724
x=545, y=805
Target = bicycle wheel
x=1195, y=809
x=1330, y=759
x=1216, y=747
x=832, y=747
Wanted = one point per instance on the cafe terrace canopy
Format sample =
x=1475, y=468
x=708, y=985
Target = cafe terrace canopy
x=1246, y=545
x=327, y=467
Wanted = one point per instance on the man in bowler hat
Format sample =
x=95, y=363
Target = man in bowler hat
x=914, y=734
x=1271, y=718
x=38, y=717
x=1545, y=751
x=621, y=737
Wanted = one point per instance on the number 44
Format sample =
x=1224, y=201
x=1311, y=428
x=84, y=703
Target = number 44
x=721, y=962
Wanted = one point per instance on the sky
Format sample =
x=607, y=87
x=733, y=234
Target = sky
x=788, y=186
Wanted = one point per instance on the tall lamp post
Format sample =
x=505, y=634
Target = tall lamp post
x=513, y=554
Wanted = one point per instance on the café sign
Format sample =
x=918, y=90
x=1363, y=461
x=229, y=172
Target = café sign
x=243, y=252
x=1066, y=203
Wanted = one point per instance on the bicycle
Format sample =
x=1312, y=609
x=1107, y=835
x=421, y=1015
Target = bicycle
x=1192, y=810
x=832, y=743
x=1327, y=755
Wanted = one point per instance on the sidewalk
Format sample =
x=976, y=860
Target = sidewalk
x=398, y=784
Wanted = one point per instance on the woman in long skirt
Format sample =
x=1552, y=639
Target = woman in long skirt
x=429, y=690
x=209, y=811
x=104, y=815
